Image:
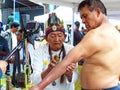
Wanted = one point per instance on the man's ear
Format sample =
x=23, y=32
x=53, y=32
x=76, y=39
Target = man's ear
x=98, y=11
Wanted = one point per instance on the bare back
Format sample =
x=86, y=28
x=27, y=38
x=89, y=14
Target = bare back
x=101, y=67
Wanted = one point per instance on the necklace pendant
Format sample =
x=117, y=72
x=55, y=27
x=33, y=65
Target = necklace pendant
x=57, y=58
x=54, y=83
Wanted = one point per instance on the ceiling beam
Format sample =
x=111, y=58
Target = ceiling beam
x=22, y=3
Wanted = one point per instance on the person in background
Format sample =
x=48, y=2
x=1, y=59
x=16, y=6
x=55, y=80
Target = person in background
x=47, y=56
x=10, y=36
x=77, y=37
x=17, y=63
x=10, y=20
x=29, y=52
x=100, y=49
x=4, y=50
x=33, y=38
x=83, y=31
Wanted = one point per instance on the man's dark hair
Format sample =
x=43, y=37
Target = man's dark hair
x=11, y=14
x=92, y=5
x=20, y=31
x=14, y=24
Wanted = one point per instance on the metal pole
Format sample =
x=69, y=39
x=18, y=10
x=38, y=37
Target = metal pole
x=72, y=27
x=14, y=8
x=0, y=15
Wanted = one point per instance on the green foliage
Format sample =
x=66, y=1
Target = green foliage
x=77, y=83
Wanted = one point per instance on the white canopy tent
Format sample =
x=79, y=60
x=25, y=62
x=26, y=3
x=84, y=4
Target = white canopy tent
x=112, y=6
x=60, y=12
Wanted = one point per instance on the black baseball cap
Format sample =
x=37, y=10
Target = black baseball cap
x=77, y=23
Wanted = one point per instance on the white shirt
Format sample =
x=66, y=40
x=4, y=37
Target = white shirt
x=29, y=51
x=40, y=63
x=14, y=40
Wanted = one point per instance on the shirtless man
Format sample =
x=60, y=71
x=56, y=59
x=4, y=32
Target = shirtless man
x=100, y=48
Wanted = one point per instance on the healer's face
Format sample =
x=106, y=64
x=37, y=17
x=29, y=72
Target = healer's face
x=55, y=40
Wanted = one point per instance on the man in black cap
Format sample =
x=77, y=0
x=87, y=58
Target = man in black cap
x=77, y=37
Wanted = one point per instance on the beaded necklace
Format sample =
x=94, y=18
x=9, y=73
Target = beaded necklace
x=58, y=59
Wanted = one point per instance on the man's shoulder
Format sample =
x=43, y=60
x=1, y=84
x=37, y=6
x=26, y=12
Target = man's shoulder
x=91, y=34
x=75, y=31
x=91, y=39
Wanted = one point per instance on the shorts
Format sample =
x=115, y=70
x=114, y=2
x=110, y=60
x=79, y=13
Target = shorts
x=113, y=88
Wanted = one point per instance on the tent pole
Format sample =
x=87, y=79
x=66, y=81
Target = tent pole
x=14, y=8
x=72, y=26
